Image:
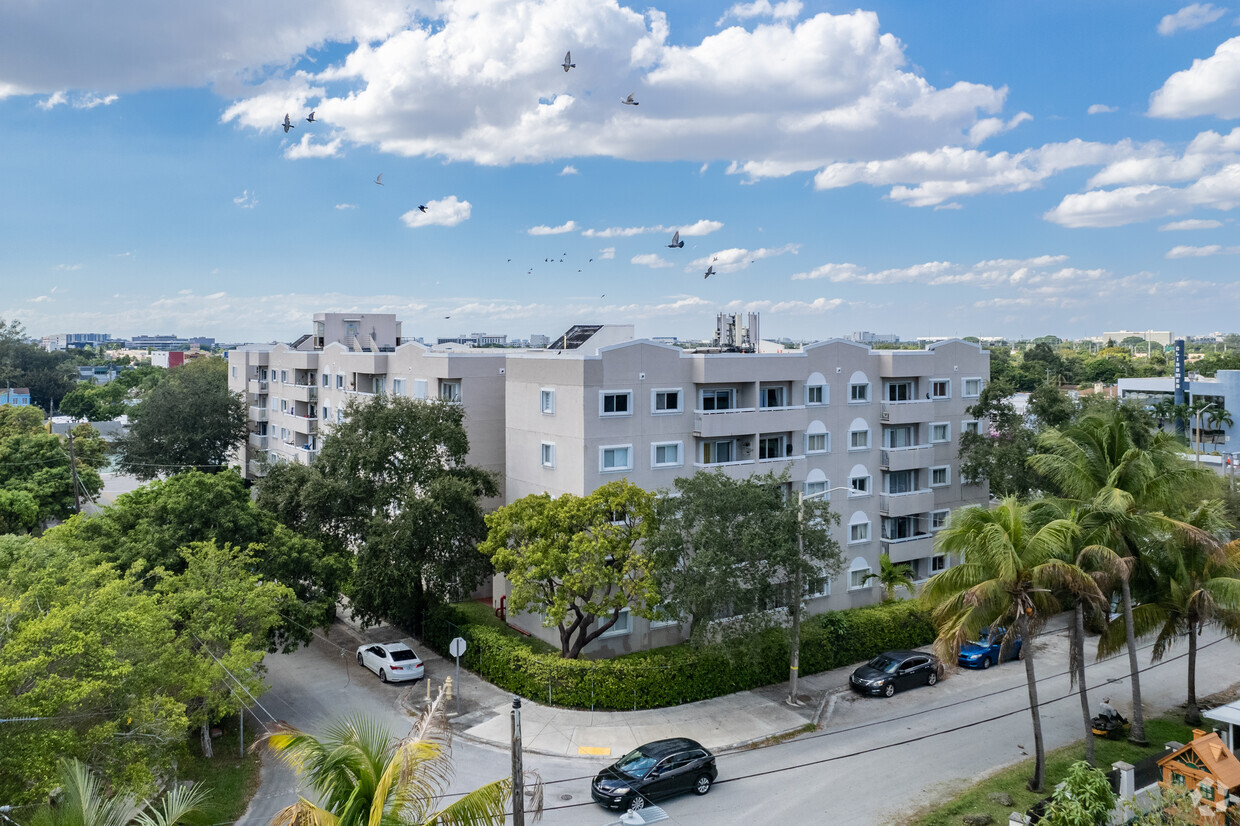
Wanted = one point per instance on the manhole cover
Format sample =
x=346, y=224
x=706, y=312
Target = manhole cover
x=566, y=797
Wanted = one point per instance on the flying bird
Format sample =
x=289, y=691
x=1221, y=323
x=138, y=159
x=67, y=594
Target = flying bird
x=288, y=124
x=711, y=269
x=629, y=100
x=379, y=179
x=422, y=207
x=447, y=316
x=310, y=117
x=676, y=242
x=568, y=61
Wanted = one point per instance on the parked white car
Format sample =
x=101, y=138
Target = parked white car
x=392, y=661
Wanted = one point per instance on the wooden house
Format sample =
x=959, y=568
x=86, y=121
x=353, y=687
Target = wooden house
x=1210, y=773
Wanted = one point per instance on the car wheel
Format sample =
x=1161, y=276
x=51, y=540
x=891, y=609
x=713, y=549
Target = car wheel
x=702, y=784
x=889, y=689
x=359, y=659
x=382, y=675
x=932, y=679
x=638, y=803
x=985, y=663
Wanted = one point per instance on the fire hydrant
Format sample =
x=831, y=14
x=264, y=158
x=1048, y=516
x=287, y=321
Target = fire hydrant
x=448, y=689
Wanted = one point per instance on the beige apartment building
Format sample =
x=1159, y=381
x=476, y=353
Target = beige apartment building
x=881, y=426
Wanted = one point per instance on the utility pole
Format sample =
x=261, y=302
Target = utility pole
x=77, y=502
x=794, y=665
x=518, y=772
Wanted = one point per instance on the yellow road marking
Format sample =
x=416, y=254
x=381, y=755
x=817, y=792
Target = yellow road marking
x=601, y=751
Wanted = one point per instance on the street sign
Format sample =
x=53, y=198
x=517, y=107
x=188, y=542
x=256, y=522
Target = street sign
x=457, y=647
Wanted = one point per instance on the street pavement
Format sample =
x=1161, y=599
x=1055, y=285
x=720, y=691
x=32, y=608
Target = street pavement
x=871, y=760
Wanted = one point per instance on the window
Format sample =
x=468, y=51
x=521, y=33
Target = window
x=940, y=476
x=816, y=394
x=666, y=401
x=624, y=625
x=234, y=371
x=859, y=486
x=940, y=432
x=327, y=413
x=546, y=401
x=283, y=405
x=858, y=393
x=548, y=454
x=902, y=481
x=972, y=388
x=817, y=442
x=419, y=388
x=714, y=453
x=771, y=447
x=812, y=488
x=941, y=389
x=666, y=454
x=938, y=562
x=615, y=404
x=1177, y=779
x=1207, y=790
x=938, y=519
x=900, y=391
x=450, y=391
x=898, y=436
x=340, y=381
x=859, y=532
x=339, y=415
x=398, y=387
x=973, y=427
x=283, y=377
x=718, y=399
x=616, y=458
x=378, y=385
x=327, y=380
x=771, y=397
x=858, y=440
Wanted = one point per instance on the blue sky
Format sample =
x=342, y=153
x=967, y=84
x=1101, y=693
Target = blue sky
x=918, y=168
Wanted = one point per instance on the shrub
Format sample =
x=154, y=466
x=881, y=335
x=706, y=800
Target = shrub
x=676, y=674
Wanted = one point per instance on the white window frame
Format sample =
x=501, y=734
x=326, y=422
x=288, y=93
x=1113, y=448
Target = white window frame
x=825, y=394
x=970, y=426
x=938, y=563
x=714, y=391
x=602, y=452
x=946, y=514
x=868, y=387
x=702, y=451
x=964, y=387
x=340, y=381
x=339, y=415
x=813, y=488
x=420, y=389
x=547, y=454
x=624, y=632
x=943, y=441
x=283, y=377
x=855, y=493
x=947, y=382
x=680, y=454
x=826, y=587
x=866, y=538
x=780, y=390
x=398, y=387
x=654, y=401
x=444, y=384
x=546, y=401
x=867, y=439
x=234, y=371
x=826, y=442
x=628, y=405
x=327, y=380
x=947, y=476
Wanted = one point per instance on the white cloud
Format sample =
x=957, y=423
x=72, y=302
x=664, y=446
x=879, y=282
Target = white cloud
x=346, y=206
x=1100, y=109
x=1190, y=223
x=989, y=127
x=780, y=10
x=569, y=170
x=40, y=299
x=1208, y=87
x=246, y=200
x=702, y=226
x=949, y=205
x=570, y=226
x=652, y=260
x=698, y=228
x=52, y=101
x=67, y=267
x=1201, y=252
x=1190, y=17
x=738, y=258
x=994, y=272
x=306, y=148
x=446, y=212
x=606, y=253
x=90, y=101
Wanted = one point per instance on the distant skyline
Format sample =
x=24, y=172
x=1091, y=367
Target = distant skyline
x=915, y=168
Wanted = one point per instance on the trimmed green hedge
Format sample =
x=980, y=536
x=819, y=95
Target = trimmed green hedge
x=676, y=674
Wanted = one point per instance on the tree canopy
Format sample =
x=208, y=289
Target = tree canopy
x=36, y=474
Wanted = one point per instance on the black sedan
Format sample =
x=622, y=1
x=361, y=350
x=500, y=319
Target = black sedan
x=654, y=771
x=894, y=671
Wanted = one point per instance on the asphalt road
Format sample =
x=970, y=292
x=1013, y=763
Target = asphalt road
x=874, y=761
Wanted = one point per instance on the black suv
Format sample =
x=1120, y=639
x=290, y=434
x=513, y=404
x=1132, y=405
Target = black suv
x=894, y=671
x=653, y=771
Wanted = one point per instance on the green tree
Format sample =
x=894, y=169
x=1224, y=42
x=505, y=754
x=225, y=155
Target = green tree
x=83, y=802
x=189, y=421
x=1051, y=406
x=1084, y=798
x=363, y=776
x=579, y=560
x=35, y=467
x=1117, y=489
x=998, y=453
x=392, y=485
x=1218, y=418
x=1010, y=574
x=728, y=548
x=892, y=576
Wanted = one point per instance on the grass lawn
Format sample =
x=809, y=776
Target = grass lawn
x=232, y=779
x=976, y=800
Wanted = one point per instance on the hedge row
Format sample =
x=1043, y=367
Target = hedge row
x=682, y=673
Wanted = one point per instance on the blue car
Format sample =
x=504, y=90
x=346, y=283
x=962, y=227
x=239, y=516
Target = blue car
x=984, y=653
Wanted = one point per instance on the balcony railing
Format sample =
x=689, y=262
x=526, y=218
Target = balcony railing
x=304, y=424
x=905, y=458
x=304, y=392
x=907, y=412
x=258, y=386
x=908, y=548
x=258, y=414
x=906, y=504
x=258, y=442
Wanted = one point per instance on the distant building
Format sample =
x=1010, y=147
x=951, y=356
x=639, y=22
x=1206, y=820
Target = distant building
x=175, y=358
x=866, y=337
x=168, y=342
x=16, y=396
x=539, y=341
x=476, y=340
x=74, y=341
x=98, y=373
x=1223, y=391
x=1162, y=337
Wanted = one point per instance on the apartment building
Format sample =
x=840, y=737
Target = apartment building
x=882, y=428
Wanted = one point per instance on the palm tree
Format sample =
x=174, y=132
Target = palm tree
x=1117, y=489
x=83, y=803
x=1198, y=584
x=366, y=777
x=1010, y=572
x=1218, y=419
x=1164, y=410
x=892, y=576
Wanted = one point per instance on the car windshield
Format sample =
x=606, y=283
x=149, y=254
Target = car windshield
x=884, y=664
x=402, y=654
x=636, y=763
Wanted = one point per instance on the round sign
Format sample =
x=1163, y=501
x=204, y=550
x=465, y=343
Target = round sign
x=457, y=647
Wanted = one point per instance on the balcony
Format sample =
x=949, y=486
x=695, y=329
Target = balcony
x=304, y=455
x=909, y=412
x=304, y=424
x=906, y=458
x=258, y=468
x=258, y=441
x=734, y=470
x=908, y=549
x=743, y=421
x=258, y=414
x=258, y=386
x=303, y=392
x=906, y=504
